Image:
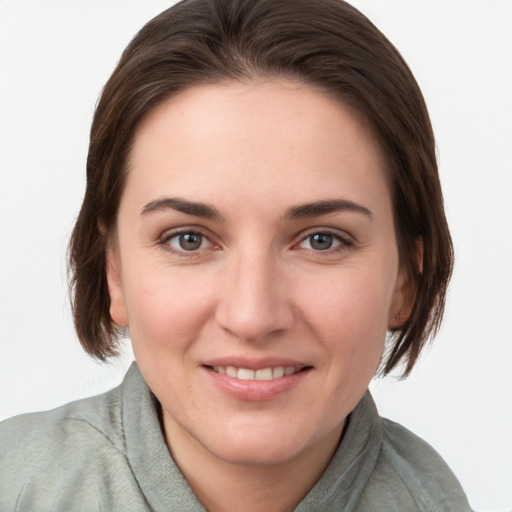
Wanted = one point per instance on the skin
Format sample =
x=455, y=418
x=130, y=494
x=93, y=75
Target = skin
x=257, y=289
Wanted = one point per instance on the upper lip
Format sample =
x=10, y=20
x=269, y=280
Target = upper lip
x=255, y=364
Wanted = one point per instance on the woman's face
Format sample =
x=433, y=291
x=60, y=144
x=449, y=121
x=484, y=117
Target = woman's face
x=257, y=267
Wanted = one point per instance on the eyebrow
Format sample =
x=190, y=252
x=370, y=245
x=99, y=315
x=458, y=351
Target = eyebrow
x=198, y=209
x=325, y=207
x=182, y=205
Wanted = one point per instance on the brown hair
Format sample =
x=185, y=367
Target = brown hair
x=325, y=43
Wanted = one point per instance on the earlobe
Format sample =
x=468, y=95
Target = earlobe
x=118, y=311
x=419, y=255
x=403, y=301
x=405, y=293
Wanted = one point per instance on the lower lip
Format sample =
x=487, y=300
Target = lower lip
x=256, y=390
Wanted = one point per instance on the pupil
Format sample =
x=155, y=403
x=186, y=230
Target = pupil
x=321, y=241
x=190, y=241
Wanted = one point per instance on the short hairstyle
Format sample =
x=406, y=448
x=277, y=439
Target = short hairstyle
x=327, y=44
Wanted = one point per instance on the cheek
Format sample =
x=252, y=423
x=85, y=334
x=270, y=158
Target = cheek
x=350, y=313
x=348, y=316
x=167, y=309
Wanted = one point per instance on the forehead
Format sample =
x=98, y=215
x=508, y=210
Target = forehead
x=269, y=135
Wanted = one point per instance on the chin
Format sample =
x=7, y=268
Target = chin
x=262, y=443
x=257, y=452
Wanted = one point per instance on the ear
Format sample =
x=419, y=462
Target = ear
x=118, y=311
x=404, y=294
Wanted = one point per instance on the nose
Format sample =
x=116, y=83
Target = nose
x=254, y=303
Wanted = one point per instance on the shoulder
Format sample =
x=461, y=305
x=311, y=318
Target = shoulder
x=419, y=471
x=46, y=457
x=78, y=426
x=52, y=429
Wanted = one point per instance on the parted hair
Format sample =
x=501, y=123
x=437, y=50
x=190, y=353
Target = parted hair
x=327, y=44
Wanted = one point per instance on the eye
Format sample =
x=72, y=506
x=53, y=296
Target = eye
x=324, y=241
x=187, y=241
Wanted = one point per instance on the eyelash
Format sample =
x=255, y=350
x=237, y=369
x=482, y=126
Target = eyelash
x=344, y=242
x=164, y=242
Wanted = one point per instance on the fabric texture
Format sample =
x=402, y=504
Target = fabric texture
x=108, y=453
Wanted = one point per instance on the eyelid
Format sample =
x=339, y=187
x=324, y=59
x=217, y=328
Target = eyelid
x=183, y=230
x=345, y=239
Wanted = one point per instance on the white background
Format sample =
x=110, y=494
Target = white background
x=54, y=58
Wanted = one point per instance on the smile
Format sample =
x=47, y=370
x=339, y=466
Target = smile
x=264, y=381
x=261, y=374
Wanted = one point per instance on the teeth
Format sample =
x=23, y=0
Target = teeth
x=261, y=374
x=278, y=372
x=231, y=371
x=245, y=374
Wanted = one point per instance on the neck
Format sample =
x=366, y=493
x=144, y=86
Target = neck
x=224, y=486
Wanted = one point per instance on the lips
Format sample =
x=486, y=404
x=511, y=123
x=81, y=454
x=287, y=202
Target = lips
x=250, y=380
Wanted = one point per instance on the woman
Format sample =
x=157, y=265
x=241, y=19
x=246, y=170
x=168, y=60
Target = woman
x=263, y=213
